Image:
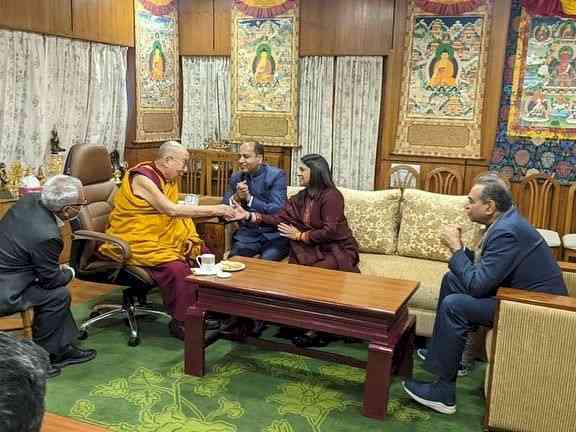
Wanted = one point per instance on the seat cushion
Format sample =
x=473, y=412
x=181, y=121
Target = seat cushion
x=423, y=215
x=552, y=238
x=569, y=241
x=428, y=273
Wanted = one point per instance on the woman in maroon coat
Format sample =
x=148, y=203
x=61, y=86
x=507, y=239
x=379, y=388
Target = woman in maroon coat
x=315, y=223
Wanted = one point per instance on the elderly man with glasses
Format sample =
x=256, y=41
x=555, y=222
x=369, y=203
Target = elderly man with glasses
x=30, y=273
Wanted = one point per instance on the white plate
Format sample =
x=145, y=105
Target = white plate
x=223, y=275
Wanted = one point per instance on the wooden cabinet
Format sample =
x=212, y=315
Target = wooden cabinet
x=42, y=16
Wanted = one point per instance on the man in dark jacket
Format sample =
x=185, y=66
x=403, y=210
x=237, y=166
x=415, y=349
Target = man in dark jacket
x=30, y=273
x=512, y=254
x=258, y=188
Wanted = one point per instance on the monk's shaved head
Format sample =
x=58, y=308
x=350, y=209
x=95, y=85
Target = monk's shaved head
x=170, y=148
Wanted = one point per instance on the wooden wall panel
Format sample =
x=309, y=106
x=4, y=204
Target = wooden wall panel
x=41, y=16
x=344, y=27
x=197, y=27
x=222, y=27
x=108, y=21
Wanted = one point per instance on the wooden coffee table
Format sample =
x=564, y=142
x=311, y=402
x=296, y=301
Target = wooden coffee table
x=346, y=304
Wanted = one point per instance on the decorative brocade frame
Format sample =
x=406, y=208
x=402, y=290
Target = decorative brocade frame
x=443, y=83
x=543, y=102
x=157, y=70
x=264, y=71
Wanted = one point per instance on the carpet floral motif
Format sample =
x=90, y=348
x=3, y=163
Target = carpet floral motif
x=169, y=402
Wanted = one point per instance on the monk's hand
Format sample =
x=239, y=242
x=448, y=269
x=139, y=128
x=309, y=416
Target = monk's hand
x=452, y=236
x=225, y=211
x=289, y=231
x=240, y=212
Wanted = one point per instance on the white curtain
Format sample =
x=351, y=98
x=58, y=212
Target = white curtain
x=46, y=82
x=206, y=100
x=316, y=110
x=108, y=98
x=68, y=76
x=356, y=119
x=23, y=136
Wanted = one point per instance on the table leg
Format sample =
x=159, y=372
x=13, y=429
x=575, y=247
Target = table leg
x=406, y=347
x=378, y=378
x=194, y=342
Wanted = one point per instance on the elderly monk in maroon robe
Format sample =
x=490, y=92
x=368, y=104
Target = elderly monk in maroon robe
x=315, y=223
x=160, y=232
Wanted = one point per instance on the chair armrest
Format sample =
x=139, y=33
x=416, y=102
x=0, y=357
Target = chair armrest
x=537, y=299
x=104, y=238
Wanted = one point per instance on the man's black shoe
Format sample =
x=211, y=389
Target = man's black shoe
x=72, y=355
x=53, y=371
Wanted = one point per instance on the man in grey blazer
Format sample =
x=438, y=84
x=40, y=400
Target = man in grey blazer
x=512, y=254
x=30, y=273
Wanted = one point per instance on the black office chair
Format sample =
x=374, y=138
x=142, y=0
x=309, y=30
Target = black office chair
x=92, y=165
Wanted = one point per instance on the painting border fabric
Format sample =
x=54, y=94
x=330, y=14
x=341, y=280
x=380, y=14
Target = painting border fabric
x=264, y=76
x=443, y=83
x=157, y=70
x=543, y=103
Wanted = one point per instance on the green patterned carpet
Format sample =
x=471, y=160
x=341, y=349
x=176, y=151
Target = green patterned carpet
x=245, y=389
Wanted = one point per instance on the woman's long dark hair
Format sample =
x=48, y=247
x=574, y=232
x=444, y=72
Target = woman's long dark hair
x=320, y=176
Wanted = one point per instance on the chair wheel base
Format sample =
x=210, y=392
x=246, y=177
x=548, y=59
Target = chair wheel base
x=133, y=341
x=82, y=335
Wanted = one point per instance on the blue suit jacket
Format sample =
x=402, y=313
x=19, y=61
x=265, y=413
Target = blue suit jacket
x=514, y=255
x=268, y=188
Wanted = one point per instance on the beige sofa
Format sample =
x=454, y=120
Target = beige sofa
x=399, y=237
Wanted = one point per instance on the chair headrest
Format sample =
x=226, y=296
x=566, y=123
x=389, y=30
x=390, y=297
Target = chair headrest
x=90, y=163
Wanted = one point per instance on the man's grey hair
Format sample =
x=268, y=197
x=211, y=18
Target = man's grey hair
x=497, y=190
x=60, y=191
x=23, y=370
x=169, y=148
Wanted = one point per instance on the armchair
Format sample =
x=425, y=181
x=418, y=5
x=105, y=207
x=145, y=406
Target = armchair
x=532, y=374
x=92, y=165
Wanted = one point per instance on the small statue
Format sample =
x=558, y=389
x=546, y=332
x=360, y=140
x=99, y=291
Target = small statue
x=4, y=192
x=55, y=143
x=118, y=165
x=40, y=174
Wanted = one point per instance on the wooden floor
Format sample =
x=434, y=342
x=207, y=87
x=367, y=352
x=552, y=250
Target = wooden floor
x=56, y=423
x=80, y=292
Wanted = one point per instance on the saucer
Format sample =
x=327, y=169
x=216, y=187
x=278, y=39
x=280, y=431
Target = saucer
x=223, y=275
x=199, y=272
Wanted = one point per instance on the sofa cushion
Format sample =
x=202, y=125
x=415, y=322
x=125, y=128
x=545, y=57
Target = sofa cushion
x=373, y=217
x=423, y=215
x=428, y=273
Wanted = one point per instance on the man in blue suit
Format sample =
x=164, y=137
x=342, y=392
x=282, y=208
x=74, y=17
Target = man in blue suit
x=259, y=188
x=512, y=254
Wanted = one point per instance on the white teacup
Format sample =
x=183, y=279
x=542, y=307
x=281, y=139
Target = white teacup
x=207, y=263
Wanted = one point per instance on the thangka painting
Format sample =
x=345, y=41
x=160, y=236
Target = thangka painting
x=157, y=70
x=544, y=84
x=443, y=83
x=264, y=71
